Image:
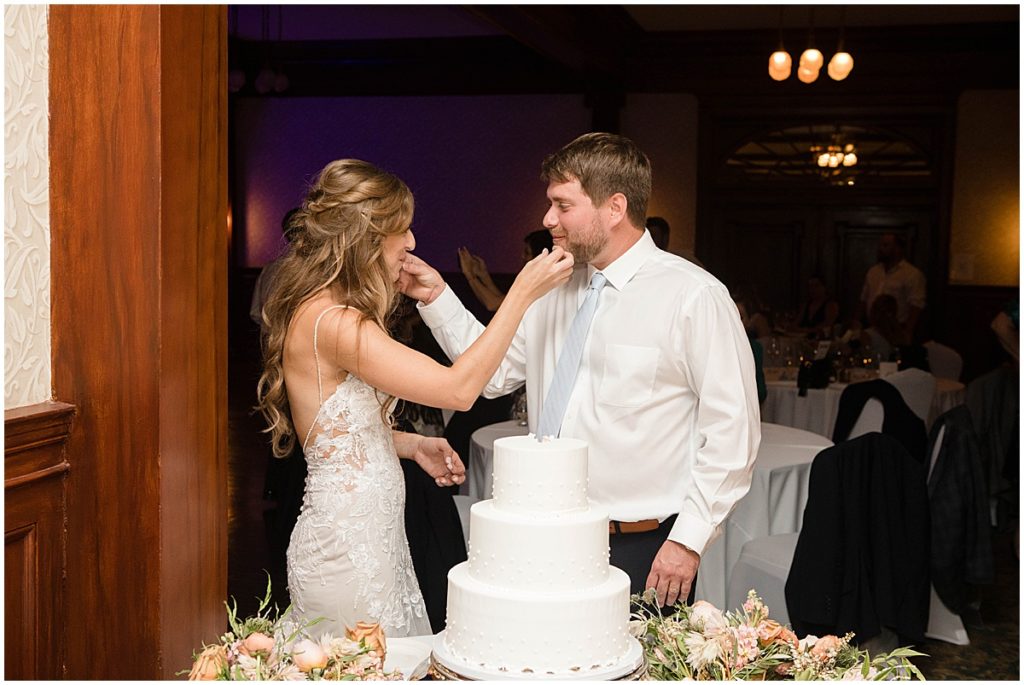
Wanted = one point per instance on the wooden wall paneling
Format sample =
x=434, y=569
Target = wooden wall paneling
x=35, y=471
x=765, y=248
x=105, y=218
x=193, y=324
x=139, y=343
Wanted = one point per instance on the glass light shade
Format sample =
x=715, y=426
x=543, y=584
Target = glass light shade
x=812, y=59
x=823, y=159
x=780, y=65
x=265, y=81
x=840, y=66
x=833, y=161
x=850, y=159
x=807, y=75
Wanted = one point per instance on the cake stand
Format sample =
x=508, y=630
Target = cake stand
x=443, y=666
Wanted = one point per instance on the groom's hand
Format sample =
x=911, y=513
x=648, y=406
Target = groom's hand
x=440, y=461
x=419, y=280
x=672, y=572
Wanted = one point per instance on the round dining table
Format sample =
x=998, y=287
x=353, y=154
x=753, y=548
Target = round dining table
x=773, y=505
x=817, y=410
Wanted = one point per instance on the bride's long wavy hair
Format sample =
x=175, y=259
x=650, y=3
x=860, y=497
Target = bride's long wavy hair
x=336, y=245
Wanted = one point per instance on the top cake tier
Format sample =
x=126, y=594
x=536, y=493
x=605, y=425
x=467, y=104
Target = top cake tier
x=540, y=477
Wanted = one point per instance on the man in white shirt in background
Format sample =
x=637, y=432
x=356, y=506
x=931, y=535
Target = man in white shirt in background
x=665, y=394
x=894, y=275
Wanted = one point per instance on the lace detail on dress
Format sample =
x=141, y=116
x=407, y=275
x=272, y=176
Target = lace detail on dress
x=348, y=558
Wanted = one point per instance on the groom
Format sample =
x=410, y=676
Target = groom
x=664, y=392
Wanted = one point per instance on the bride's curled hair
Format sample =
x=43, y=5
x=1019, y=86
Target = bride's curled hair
x=336, y=245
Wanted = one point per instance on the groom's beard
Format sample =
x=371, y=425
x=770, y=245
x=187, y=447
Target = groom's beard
x=585, y=247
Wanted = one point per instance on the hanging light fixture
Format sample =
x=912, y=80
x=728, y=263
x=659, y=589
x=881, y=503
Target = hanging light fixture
x=780, y=64
x=811, y=60
x=841, y=64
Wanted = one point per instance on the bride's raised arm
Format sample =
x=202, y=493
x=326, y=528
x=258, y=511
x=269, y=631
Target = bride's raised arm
x=366, y=350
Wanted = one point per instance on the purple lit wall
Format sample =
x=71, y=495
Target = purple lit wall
x=473, y=164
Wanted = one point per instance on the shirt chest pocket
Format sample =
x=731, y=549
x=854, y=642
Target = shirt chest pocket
x=629, y=373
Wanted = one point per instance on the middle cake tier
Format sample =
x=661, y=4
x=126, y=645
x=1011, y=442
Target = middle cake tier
x=531, y=553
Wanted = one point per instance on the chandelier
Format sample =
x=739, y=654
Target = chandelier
x=780, y=64
x=835, y=161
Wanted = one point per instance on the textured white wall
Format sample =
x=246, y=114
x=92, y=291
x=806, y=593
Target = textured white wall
x=26, y=206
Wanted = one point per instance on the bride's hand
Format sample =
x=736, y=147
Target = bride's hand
x=439, y=460
x=543, y=273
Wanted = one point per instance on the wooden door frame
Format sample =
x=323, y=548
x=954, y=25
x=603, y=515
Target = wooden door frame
x=139, y=253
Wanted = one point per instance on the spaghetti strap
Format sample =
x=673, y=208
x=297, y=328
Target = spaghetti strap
x=316, y=359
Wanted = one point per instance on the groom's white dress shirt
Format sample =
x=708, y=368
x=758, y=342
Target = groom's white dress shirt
x=665, y=395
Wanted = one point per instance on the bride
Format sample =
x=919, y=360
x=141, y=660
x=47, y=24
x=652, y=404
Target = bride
x=331, y=376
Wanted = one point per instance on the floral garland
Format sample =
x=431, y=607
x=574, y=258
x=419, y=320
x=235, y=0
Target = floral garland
x=268, y=646
x=700, y=642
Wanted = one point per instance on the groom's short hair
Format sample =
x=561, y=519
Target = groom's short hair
x=604, y=164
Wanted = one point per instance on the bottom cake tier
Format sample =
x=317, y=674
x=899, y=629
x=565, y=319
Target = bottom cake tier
x=506, y=631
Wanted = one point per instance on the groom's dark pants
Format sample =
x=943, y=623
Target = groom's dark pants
x=634, y=553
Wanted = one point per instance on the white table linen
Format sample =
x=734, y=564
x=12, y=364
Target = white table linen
x=818, y=410
x=774, y=504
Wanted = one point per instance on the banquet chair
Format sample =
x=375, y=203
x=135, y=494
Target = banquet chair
x=867, y=509
x=463, y=503
x=917, y=388
x=945, y=362
x=897, y=405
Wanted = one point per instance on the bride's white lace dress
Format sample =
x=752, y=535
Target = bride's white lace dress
x=348, y=558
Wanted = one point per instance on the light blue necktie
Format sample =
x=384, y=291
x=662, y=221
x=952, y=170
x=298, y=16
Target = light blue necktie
x=569, y=362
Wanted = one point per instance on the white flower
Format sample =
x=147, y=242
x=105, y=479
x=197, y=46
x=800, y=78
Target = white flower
x=808, y=642
x=702, y=650
x=854, y=673
x=637, y=628
x=707, y=616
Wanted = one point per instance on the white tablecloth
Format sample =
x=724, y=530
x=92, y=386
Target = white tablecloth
x=774, y=504
x=481, y=449
x=817, y=411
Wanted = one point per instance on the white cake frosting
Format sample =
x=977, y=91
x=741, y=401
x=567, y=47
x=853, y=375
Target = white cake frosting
x=537, y=596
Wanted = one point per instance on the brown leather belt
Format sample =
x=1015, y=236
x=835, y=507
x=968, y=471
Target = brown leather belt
x=625, y=527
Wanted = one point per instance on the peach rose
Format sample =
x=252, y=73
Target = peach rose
x=825, y=644
x=209, y=663
x=308, y=655
x=257, y=643
x=787, y=635
x=768, y=631
x=372, y=636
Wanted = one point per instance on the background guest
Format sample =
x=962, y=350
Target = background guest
x=475, y=269
x=895, y=276
x=659, y=230
x=756, y=323
x=820, y=311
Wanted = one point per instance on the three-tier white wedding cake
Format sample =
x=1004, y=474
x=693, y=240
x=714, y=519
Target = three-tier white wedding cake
x=537, y=597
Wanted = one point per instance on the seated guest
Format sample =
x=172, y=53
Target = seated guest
x=885, y=335
x=758, y=350
x=819, y=312
x=757, y=323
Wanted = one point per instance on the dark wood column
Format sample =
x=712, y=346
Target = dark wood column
x=139, y=307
